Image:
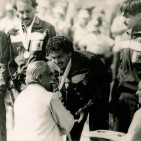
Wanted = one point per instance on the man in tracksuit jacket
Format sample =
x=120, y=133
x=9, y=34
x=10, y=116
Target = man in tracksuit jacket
x=124, y=102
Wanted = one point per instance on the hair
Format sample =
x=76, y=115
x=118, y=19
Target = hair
x=33, y=2
x=131, y=6
x=34, y=70
x=60, y=43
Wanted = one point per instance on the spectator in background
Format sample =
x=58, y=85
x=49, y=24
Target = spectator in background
x=79, y=29
x=118, y=30
x=98, y=16
x=44, y=11
x=39, y=115
x=9, y=21
x=99, y=43
x=124, y=102
x=59, y=20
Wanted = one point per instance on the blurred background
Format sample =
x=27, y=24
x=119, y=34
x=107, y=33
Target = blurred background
x=93, y=25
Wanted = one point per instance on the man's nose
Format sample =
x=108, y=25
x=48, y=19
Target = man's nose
x=24, y=15
x=137, y=92
x=125, y=22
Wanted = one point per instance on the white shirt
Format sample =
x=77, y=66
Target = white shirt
x=39, y=115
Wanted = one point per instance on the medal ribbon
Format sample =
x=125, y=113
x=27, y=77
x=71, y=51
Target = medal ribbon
x=65, y=75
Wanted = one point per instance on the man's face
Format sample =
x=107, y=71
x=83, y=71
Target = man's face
x=132, y=21
x=25, y=12
x=60, y=58
x=139, y=92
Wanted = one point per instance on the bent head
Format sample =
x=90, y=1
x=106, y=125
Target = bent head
x=39, y=72
x=26, y=10
x=60, y=49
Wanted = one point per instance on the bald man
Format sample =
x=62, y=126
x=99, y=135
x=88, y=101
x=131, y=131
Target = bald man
x=38, y=113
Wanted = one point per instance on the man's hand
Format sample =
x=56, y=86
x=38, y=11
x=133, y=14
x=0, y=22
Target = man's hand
x=81, y=113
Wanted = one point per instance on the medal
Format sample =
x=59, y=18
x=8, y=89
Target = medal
x=26, y=54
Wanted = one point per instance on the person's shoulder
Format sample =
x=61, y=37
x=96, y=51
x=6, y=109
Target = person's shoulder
x=2, y=33
x=45, y=23
x=84, y=53
x=138, y=113
x=13, y=31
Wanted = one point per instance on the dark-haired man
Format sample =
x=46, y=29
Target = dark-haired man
x=124, y=102
x=81, y=79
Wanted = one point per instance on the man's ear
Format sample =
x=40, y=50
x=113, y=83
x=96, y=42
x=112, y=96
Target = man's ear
x=39, y=77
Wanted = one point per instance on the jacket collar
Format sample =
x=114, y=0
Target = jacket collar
x=134, y=34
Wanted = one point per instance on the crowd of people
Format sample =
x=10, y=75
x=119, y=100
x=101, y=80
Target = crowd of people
x=55, y=72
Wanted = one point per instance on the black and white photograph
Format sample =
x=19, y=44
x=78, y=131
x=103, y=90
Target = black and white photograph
x=70, y=70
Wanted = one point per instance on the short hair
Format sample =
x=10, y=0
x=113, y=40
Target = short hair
x=60, y=43
x=35, y=69
x=33, y=3
x=131, y=6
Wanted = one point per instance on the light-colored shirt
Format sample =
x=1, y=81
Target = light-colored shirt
x=39, y=115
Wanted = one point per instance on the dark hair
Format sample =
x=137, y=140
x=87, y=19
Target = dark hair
x=33, y=2
x=131, y=6
x=60, y=43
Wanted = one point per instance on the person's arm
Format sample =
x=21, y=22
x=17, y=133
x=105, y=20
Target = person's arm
x=134, y=131
x=61, y=115
x=4, y=59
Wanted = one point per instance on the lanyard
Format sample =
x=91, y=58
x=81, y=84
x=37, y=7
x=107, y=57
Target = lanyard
x=26, y=36
x=65, y=75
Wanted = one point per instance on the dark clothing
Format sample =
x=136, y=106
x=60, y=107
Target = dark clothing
x=40, y=33
x=21, y=56
x=124, y=101
x=4, y=58
x=88, y=83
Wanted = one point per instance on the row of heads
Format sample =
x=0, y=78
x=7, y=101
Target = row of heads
x=128, y=6
x=39, y=72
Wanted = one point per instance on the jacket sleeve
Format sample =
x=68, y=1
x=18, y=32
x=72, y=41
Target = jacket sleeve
x=98, y=85
x=52, y=31
x=4, y=59
x=62, y=117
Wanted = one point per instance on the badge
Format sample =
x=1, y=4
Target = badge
x=136, y=56
x=26, y=54
x=36, y=45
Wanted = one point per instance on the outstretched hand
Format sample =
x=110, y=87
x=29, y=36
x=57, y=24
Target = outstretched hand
x=81, y=113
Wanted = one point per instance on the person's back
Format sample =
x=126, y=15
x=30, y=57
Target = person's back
x=33, y=117
x=39, y=115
